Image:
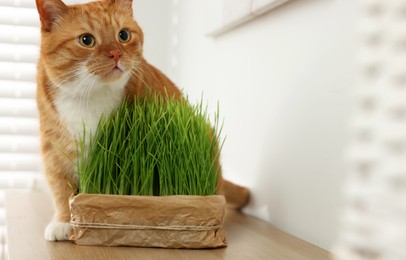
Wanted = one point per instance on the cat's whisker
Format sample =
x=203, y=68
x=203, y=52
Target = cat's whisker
x=82, y=78
x=88, y=91
x=84, y=97
x=138, y=69
x=134, y=72
x=78, y=89
x=66, y=78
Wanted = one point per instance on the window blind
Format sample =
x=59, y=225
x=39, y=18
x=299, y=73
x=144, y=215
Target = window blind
x=20, y=162
x=20, y=159
x=373, y=220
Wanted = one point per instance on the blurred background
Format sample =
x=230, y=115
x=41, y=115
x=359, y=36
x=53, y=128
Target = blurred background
x=283, y=78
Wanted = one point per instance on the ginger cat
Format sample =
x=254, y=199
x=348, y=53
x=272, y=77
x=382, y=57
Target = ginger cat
x=91, y=58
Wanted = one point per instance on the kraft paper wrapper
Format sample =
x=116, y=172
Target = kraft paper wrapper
x=148, y=221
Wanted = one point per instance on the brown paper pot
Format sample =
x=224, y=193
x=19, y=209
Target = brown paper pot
x=147, y=221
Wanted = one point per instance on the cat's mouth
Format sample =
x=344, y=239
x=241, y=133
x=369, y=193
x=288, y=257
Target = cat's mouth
x=117, y=68
x=115, y=73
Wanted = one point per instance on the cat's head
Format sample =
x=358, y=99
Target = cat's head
x=94, y=42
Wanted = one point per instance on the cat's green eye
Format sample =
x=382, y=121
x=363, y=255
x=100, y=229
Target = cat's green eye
x=86, y=40
x=124, y=35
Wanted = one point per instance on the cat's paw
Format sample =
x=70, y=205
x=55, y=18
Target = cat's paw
x=57, y=231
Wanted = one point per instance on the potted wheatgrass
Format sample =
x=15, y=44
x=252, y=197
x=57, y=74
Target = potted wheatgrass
x=148, y=177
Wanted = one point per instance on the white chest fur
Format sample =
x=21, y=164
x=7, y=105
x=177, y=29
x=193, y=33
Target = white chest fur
x=81, y=109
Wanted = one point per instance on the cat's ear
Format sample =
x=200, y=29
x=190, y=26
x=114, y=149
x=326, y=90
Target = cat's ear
x=49, y=11
x=121, y=2
x=125, y=4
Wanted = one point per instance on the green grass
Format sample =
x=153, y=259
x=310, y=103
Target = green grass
x=154, y=146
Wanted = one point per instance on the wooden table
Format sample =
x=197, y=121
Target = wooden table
x=27, y=214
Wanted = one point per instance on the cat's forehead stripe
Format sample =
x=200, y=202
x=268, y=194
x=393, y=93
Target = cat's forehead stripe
x=101, y=18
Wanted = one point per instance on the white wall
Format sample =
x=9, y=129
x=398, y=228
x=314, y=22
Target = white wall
x=154, y=18
x=284, y=83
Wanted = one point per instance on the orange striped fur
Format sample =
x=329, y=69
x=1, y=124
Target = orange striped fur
x=77, y=83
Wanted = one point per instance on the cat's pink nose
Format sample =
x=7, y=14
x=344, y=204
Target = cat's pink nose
x=115, y=55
